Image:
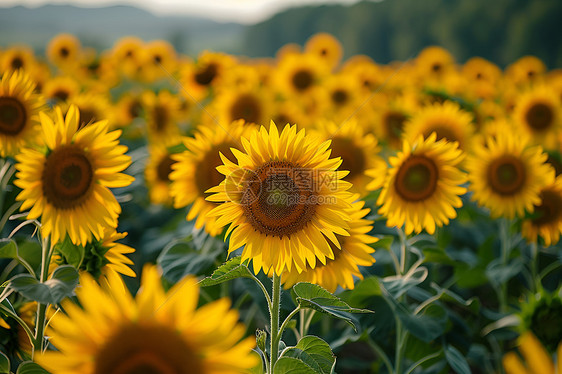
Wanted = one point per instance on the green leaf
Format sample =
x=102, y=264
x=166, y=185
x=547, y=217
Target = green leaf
x=27, y=253
x=180, y=259
x=28, y=367
x=314, y=352
x=290, y=365
x=4, y=363
x=61, y=284
x=398, y=285
x=499, y=274
x=456, y=360
x=365, y=289
x=229, y=270
x=383, y=243
x=312, y=296
x=72, y=253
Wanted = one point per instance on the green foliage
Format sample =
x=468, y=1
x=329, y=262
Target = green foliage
x=311, y=351
x=27, y=253
x=4, y=363
x=29, y=367
x=60, y=285
x=229, y=270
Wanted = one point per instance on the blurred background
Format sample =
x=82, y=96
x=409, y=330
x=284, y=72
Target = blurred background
x=385, y=30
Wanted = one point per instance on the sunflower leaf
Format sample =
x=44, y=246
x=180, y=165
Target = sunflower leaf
x=61, y=284
x=291, y=365
x=28, y=367
x=4, y=363
x=27, y=253
x=180, y=259
x=456, y=360
x=312, y=296
x=314, y=352
x=231, y=269
x=72, y=253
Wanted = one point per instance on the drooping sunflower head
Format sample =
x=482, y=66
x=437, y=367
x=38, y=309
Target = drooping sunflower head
x=326, y=46
x=546, y=221
x=506, y=175
x=536, y=358
x=19, y=109
x=157, y=173
x=541, y=314
x=67, y=184
x=155, y=332
x=447, y=120
x=423, y=185
x=195, y=170
x=64, y=50
x=538, y=113
x=354, y=252
x=284, y=200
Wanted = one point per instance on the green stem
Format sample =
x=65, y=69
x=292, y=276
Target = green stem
x=382, y=355
x=536, y=281
x=287, y=320
x=398, y=351
x=403, y=251
x=505, y=244
x=264, y=290
x=42, y=308
x=274, y=315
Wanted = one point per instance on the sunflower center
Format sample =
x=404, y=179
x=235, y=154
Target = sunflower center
x=160, y=117
x=206, y=75
x=506, y=175
x=352, y=157
x=246, y=107
x=549, y=210
x=416, y=179
x=539, y=116
x=165, y=168
x=138, y=349
x=61, y=94
x=323, y=51
x=12, y=116
x=68, y=177
x=135, y=108
x=302, y=80
x=436, y=67
x=206, y=174
x=64, y=52
x=17, y=63
x=87, y=116
x=442, y=132
x=339, y=97
x=279, y=198
x=157, y=59
x=394, y=122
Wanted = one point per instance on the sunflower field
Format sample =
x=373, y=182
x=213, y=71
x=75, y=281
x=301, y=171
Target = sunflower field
x=168, y=214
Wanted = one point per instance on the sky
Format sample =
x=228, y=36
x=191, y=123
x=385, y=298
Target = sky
x=242, y=11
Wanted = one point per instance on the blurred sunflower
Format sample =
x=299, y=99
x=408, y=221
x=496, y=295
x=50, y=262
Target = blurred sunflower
x=541, y=314
x=92, y=107
x=448, y=121
x=547, y=218
x=327, y=47
x=127, y=52
x=482, y=77
x=537, y=360
x=19, y=109
x=525, y=70
x=18, y=58
x=506, y=175
x=538, y=113
x=156, y=332
x=60, y=89
x=355, y=251
x=250, y=105
x=358, y=150
x=284, y=200
x=433, y=64
x=14, y=341
x=161, y=111
x=288, y=112
x=160, y=58
x=157, y=173
x=423, y=185
x=297, y=75
x=343, y=100
x=194, y=170
x=64, y=50
x=199, y=77
x=67, y=184
x=128, y=108
x=391, y=118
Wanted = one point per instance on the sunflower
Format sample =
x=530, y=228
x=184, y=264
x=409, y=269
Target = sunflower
x=507, y=175
x=287, y=50
x=199, y=77
x=423, y=185
x=14, y=341
x=327, y=47
x=160, y=59
x=342, y=96
x=547, y=218
x=525, y=70
x=541, y=313
x=483, y=77
x=284, y=200
x=156, y=332
x=63, y=50
x=366, y=73
x=161, y=111
x=157, y=173
x=19, y=109
x=194, y=170
x=250, y=105
x=354, y=252
x=92, y=107
x=538, y=113
x=392, y=116
x=298, y=75
x=128, y=108
x=358, y=150
x=433, y=63
x=536, y=357
x=60, y=89
x=67, y=184
x=447, y=120
x=18, y=58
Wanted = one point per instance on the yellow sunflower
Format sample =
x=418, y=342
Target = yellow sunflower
x=433, y=64
x=391, y=118
x=482, y=76
x=160, y=59
x=18, y=58
x=63, y=50
x=506, y=175
x=354, y=252
x=157, y=173
x=447, y=120
x=538, y=113
x=547, y=217
x=250, y=105
x=67, y=185
x=19, y=109
x=342, y=96
x=284, y=200
x=128, y=108
x=161, y=111
x=92, y=107
x=60, y=89
x=423, y=185
x=127, y=53
x=537, y=359
x=199, y=77
x=525, y=70
x=327, y=47
x=297, y=75
x=358, y=150
x=194, y=170
x=156, y=332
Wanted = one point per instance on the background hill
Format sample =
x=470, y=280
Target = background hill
x=499, y=30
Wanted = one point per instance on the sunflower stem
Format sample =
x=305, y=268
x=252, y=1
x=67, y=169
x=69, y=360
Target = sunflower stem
x=274, y=315
x=505, y=247
x=42, y=308
x=287, y=320
x=536, y=281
